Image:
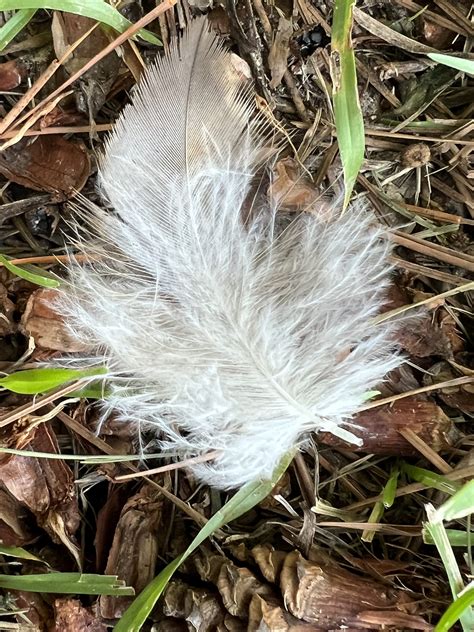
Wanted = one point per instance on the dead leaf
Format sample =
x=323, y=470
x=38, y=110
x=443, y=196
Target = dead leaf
x=460, y=397
x=46, y=326
x=291, y=191
x=44, y=486
x=15, y=522
x=47, y=163
x=12, y=73
x=278, y=55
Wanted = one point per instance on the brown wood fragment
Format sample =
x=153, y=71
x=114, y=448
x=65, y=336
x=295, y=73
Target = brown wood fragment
x=134, y=549
x=199, y=607
x=379, y=428
x=237, y=586
x=72, y=616
x=330, y=596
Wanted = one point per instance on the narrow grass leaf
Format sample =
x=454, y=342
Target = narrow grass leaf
x=14, y=25
x=33, y=277
x=460, y=505
x=458, y=63
x=347, y=112
x=96, y=9
x=20, y=553
x=390, y=489
x=95, y=390
x=34, y=381
x=460, y=606
x=456, y=537
x=244, y=500
x=375, y=517
x=83, y=458
x=431, y=479
x=67, y=583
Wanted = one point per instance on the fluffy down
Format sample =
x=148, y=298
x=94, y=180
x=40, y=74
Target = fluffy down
x=225, y=337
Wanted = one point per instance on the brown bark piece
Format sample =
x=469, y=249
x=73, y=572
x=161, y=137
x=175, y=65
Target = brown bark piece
x=12, y=74
x=329, y=596
x=380, y=428
x=134, y=549
x=71, y=616
x=270, y=615
x=237, y=586
x=198, y=606
x=14, y=522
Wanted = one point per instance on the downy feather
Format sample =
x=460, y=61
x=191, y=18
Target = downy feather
x=223, y=336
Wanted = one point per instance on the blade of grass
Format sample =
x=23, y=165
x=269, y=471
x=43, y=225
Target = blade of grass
x=14, y=25
x=458, y=63
x=96, y=9
x=456, y=537
x=67, y=583
x=390, y=489
x=431, y=479
x=94, y=459
x=453, y=614
x=20, y=553
x=32, y=277
x=34, y=381
x=460, y=505
x=347, y=112
x=244, y=500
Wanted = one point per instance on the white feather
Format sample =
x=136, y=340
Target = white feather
x=223, y=336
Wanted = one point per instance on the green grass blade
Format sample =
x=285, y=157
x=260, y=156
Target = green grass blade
x=460, y=505
x=458, y=63
x=34, y=381
x=347, y=112
x=32, y=277
x=390, y=489
x=431, y=479
x=20, y=553
x=244, y=500
x=14, y=25
x=96, y=9
x=456, y=610
x=67, y=584
x=456, y=537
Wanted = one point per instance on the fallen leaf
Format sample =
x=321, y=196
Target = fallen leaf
x=46, y=326
x=12, y=73
x=44, y=486
x=291, y=191
x=47, y=163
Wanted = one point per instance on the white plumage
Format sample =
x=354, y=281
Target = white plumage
x=223, y=336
